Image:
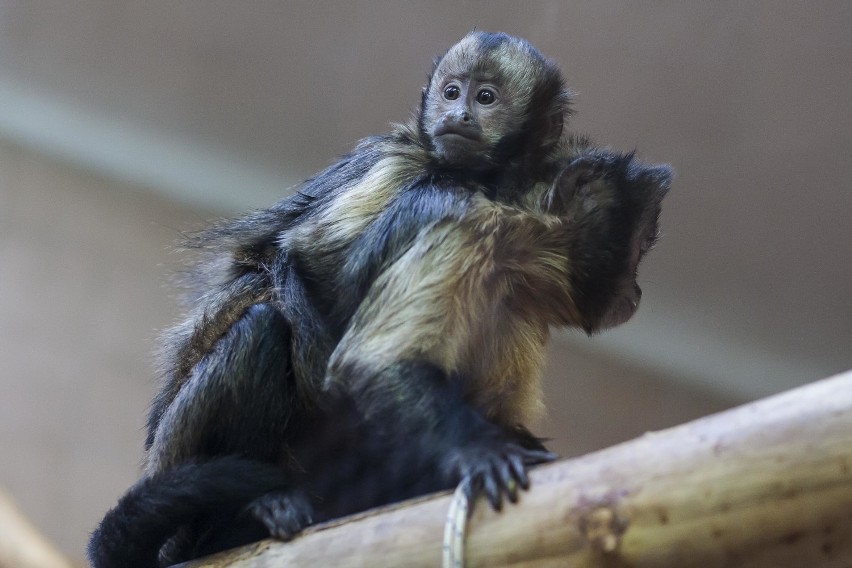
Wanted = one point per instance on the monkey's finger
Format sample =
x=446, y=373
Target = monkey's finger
x=519, y=471
x=512, y=490
x=288, y=529
x=305, y=517
x=284, y=528
x=466, y=487
x=492, y=490
x=507, y=478
x=508, y=482
x=471, y=487
x=533, y=457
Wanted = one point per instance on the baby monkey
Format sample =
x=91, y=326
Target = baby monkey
x=380, y=334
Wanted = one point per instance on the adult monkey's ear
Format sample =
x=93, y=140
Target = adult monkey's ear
x=557, y=102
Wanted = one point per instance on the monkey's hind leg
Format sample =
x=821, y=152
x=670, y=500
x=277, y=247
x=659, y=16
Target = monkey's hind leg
x=239, y=401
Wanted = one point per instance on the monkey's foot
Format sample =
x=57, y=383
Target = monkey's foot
x=496, y=469
x=283, y=514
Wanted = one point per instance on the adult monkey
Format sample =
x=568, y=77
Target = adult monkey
x=380, y=333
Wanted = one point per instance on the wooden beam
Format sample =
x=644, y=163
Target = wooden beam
x=767, y=484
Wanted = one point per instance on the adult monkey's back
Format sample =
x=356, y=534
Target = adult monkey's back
x=381, y=333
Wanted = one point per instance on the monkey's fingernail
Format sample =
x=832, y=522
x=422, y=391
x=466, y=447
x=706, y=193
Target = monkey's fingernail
x=512, y=490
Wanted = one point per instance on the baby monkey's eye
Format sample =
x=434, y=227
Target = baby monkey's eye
x=451, y=92
x=485, y=96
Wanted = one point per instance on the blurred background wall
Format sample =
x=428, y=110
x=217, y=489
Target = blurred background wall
x=122, y=124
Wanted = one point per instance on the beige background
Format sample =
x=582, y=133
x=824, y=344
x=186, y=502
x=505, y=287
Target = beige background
x=121, y=125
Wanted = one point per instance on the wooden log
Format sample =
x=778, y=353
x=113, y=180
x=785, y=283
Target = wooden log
x=767, y=484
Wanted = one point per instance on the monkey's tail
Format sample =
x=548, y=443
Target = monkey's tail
x=132, y=533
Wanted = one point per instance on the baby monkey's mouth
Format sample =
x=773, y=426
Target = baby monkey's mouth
x=470, y=132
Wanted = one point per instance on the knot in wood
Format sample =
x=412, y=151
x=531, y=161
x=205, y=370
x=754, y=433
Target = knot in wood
x=603, y=529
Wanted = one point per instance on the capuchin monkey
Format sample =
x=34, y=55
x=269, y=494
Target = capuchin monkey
x=381, y=333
